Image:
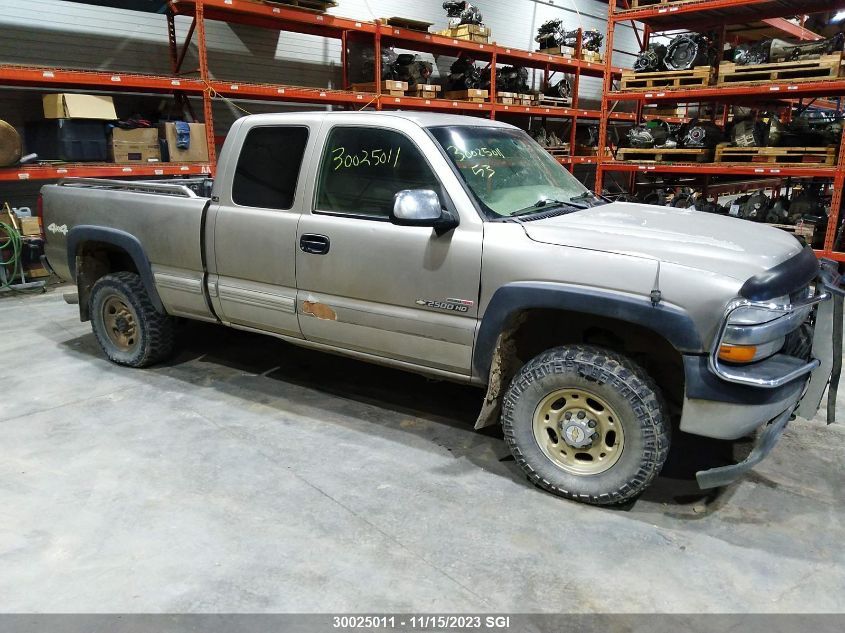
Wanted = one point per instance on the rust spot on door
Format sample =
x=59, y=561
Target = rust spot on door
x=319, y=310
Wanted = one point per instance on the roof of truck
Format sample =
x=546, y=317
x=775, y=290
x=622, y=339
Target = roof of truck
x=423, y=119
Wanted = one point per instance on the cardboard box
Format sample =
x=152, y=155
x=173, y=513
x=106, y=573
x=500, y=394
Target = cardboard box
x=134, y=146
x=30, y=226
x=74, y=106
x=196, y=153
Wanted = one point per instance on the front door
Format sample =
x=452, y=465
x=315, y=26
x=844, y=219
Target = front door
x=367, y=285
x=253, y=251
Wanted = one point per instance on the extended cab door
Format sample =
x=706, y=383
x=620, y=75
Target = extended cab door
x=364, y=284
x=252, y=226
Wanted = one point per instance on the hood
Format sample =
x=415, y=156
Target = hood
x=728, y=246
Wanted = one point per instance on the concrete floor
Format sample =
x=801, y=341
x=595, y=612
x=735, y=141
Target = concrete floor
x=248, y=476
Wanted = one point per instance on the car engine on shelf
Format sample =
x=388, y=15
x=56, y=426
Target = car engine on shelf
x=462, y=13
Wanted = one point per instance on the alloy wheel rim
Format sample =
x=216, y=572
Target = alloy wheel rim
x=578, y=431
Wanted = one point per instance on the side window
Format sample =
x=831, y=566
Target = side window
x=268, y=167
x=362, y=168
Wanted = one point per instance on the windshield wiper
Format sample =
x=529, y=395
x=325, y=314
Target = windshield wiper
x=589, y=196
x=542, y=205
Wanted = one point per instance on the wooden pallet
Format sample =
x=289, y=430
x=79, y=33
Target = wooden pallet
x=823, y=156
x=825, y=67
x=698, y=77
x=568, y=51
x=424, y=91
x=641, y=4
x=388, y=87
x=804, y=230
x=558, y=150
x=557, y=102
x=406, y=23
x=469, y=32
x=507, y=98
x=318, y=6
x=655, y=155
x=475, y=95
x=527, y=100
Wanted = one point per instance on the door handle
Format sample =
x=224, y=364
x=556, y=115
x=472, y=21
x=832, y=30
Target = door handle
x=313, y=243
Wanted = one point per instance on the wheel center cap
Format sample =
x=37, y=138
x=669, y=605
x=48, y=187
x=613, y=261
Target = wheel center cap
x=577, y=431
x=122, y=324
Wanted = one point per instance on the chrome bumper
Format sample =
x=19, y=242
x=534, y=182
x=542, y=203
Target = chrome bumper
x=781, y=369
x=772, y=372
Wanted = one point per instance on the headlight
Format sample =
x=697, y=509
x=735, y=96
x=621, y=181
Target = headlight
x=759, y=331
x=753, y=315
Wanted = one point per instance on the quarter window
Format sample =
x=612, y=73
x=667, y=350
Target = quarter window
x=268, y=167
x=362, y=169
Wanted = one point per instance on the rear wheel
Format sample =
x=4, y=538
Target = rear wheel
x=128, y=328
x=587, y=424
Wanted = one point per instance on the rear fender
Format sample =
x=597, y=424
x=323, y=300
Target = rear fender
x=129, y=244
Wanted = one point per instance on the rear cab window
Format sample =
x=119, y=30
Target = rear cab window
x=268, y=167
x=362, y=168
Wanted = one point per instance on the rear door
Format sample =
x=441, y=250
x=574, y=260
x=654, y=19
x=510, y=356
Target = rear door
x=398, y=292
x=253, y=250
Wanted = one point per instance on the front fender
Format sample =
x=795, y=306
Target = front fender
x=670, y=322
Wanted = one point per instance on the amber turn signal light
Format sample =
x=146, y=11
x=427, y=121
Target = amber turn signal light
x=737, y=353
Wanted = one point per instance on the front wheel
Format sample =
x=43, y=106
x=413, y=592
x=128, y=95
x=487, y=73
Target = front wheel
x=586, y=423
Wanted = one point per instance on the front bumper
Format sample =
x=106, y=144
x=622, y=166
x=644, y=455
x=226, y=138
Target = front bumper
x=766, y=441
x=724, y=403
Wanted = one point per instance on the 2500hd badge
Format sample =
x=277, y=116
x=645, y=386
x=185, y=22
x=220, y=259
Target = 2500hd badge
x=453, y=305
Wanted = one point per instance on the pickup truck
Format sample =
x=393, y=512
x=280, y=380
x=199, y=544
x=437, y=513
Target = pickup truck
x=458, y=248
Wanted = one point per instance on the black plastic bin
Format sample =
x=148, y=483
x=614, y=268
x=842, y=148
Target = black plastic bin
x=72, y=140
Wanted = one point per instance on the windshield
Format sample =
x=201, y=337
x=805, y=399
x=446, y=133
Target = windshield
x=507, y=171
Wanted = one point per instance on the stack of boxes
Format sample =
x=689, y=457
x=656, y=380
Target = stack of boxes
x=80, y=128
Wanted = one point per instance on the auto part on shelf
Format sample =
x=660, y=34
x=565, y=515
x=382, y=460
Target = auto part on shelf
x=786, y=51
x=779, y=50
x=766, y=131
x=753, y=53
x=689, y=50
x=463, y=74
x=462, y=13
x=752, y=206
x=708, y=206
x=592, y=40
x=654, y=133
x=10, y=145
x=587, y=135
x=508, y=79
x=701, y=134
x=561, y=89
x=553, y=33
x=809, y=201
x=651, y=59
x=683, y=199
x=545, y=137
x=813, y=130
x=778, y=212
x=408, y=68
x=365, y=69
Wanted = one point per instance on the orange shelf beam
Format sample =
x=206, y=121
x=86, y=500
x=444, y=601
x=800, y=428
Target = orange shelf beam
x=14, y=75
x=101, y=170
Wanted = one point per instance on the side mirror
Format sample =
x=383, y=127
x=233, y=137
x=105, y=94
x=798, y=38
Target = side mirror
x=421, y=207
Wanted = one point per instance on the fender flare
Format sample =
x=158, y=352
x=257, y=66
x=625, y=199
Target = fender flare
x=670, y=322
x=121, y=239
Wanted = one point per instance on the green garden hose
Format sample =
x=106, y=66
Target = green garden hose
x=12, y=241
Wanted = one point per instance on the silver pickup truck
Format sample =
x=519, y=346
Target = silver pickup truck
x=458, y=248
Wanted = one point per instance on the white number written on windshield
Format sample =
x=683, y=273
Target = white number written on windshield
x=371, y=157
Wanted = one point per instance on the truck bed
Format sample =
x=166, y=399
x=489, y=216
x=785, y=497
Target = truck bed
x=165, y=216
